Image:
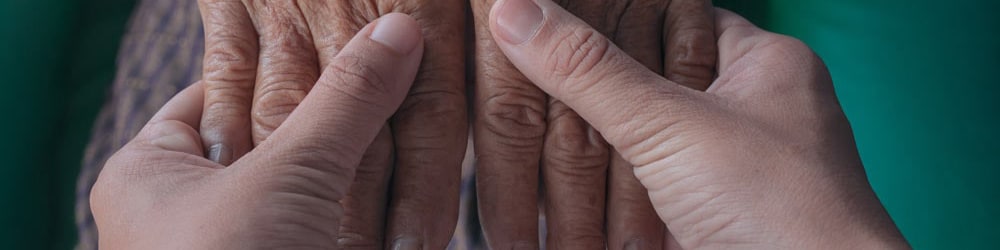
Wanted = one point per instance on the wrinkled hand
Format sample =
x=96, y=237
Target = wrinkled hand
x=591, y=198
x=262, y=58
x=764, y=159
x=161, y=192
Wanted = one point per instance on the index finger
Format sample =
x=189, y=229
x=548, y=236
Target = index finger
x=689, y=38
x=509, y=129
x=229, y=72
x=430, y=130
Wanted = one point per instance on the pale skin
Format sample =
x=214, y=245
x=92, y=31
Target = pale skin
x=532, y=150
x=162, y=192
x=263, y=56
x=763, y=159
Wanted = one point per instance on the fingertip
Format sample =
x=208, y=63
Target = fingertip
x=172, y=135
x=185, y=106
x=398, y=31
x=725, y=20
x=515, y=21
x=173, y=128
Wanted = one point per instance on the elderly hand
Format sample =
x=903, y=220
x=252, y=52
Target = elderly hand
x=261, y=60
x=590, y=196
x=161, y=192
x=764, y=159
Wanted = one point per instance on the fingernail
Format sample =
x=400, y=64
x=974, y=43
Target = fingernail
x=397, y=31
x=633, y=245
x=220, y=153
x=406, y=243
x=518, y=20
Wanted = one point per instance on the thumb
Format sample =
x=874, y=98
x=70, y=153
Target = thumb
x=322, y=141
x=631, y=106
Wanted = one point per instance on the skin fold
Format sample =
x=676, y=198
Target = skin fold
x=533, y=151
x=261, y=60
x=763, y=159
x=161, y=191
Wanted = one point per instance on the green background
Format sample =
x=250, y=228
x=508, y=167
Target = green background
x=915, y=78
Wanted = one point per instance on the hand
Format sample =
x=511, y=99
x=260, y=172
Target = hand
x=161, y=192
x=261, y=60
x=591, y=198
x=763, y=159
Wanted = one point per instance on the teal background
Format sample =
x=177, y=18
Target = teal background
x=916, y=79
x=56, y=61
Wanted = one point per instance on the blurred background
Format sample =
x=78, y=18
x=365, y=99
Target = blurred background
x=917, y=80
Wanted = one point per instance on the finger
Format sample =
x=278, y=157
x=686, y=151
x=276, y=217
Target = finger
x=737, y=37
x=575, y=157
x=229, y=70
x=578, y=66
x=509, y=125
x=431, y=134
x=324, y=138
x=745, y=50
x=288, y=64
x=173, y=127
x=690, y=43
x=690, y=59
x=636, y=26
x=365, y=205
x=632, y=220
x=574, y=170
x=332, y=26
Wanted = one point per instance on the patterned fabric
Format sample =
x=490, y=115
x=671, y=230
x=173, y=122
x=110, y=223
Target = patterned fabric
x=161, y=54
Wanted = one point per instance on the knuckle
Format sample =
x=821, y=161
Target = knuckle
x=794, y=50
x=440, y=104
x=577, y=53
x=229, y=57
x=225, y=102
x=798, y=64
x=570, y=142
x=514, y=115
x=693, y=58
x=275, y=101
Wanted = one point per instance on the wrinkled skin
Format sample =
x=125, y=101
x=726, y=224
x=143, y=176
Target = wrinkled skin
x=261, y=60
x=763, y=159
x=589, y=194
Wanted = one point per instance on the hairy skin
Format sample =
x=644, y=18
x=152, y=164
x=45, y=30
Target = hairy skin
x=524, y=138
x=261, y=60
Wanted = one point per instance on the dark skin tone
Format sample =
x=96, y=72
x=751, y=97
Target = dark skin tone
x=262, y=58
x=525, y=138
x=763, y=159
